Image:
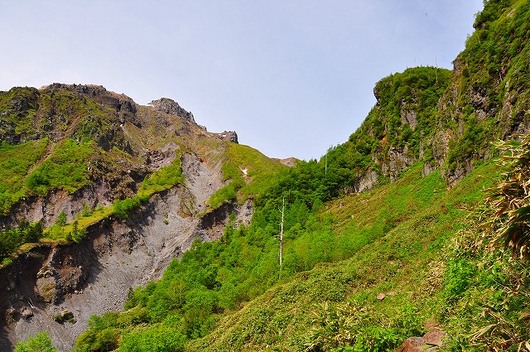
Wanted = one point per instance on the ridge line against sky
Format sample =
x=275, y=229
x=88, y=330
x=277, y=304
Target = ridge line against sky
x=292, y=78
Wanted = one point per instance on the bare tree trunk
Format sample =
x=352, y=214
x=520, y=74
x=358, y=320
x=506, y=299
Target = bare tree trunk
x=281, y=236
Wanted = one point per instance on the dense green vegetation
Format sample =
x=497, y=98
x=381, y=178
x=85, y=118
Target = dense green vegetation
x=486, y=286
x=15, y=162
x=41, y=342
x=66, y=168
x=247, y=171
x=486, y=292
x=492, y=81
x=389, y=234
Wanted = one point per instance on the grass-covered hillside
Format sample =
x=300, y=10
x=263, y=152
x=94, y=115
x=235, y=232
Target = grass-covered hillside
x=414, y=241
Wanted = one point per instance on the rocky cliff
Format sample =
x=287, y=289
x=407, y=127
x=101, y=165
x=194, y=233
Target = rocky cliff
x=447, y=118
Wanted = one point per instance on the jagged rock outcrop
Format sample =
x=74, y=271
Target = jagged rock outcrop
x=228, y=136
x=171, y=107
x=59, y=111
x=398, y=130
x=366, y=182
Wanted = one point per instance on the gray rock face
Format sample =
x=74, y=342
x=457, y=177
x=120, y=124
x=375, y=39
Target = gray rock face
x=397, y=161
x=367, y=181
x=171, y=107
x=409, y=117
x=229, y=136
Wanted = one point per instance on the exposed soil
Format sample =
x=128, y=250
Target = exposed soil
x=43, y=288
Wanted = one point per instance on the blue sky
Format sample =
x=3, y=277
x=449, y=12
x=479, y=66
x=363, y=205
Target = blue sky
x=292, y=78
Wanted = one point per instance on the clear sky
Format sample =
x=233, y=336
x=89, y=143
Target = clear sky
x=291, y=77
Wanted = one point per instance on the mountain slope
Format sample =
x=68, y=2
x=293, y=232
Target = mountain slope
x=406, y=258
x=106, y=192
x=409, y=256
x=395, y=238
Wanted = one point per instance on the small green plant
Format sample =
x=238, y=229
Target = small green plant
x=65, y=317
x=7, y=261
x=61, y=219
x=41, y=342
x=87, y=211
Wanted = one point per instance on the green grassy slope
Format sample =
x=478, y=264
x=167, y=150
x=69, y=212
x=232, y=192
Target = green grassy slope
x=228, y=295
x=247, y=173
x=397, y=238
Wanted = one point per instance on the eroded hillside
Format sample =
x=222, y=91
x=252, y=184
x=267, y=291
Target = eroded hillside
x=112, y=191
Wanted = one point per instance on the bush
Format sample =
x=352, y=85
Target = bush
x=123, y=207
x=12, y=238
x=159, y=338
x=38, y=343
x=510, y=199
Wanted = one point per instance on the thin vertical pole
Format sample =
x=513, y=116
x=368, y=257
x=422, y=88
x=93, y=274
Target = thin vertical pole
x=281, y=235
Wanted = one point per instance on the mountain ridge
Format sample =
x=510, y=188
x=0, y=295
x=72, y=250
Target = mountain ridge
x=102, y=164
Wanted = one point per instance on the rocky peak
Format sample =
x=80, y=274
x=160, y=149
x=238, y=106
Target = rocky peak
x=87, y=89
x=229, y=136
x=125, y=107
x=171, y=107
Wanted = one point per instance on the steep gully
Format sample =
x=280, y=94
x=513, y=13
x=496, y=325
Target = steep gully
x=57, y=288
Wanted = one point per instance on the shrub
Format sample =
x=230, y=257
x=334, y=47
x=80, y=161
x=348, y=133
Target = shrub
x=510, y=199
x=41, y=342
x=123, y=207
